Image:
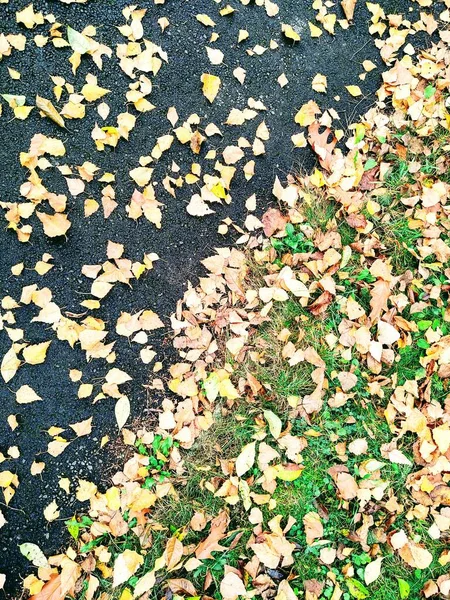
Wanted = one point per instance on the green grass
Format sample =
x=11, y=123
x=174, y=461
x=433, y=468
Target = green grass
x=399, y=174
x=320, y=212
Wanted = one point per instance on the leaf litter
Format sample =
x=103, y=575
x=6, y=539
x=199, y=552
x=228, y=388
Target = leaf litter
x=368, y=282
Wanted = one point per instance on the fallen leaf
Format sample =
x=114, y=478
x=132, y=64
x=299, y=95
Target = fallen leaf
x=25, y=395
x=125, y=566
x=54, y=225
x=348, y=7
x=49, y=110
x=122, y=411
x=211, y=85
x=34, y=554
x=232, y=586
x=372, y=570
x=246, y=459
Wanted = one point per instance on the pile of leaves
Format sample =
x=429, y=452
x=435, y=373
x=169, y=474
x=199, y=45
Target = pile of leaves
x=305, y=451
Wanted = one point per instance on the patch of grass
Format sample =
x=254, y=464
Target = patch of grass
x=399, y=239
x=348, y=234
x=398, y=175
x=319, y=210
x=306, y=330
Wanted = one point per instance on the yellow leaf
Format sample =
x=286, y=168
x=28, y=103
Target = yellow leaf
x=90, y=207
x=219, y=191
x=354, y=90
x=145, y=584
x=274, y=423
x=36, y=354
x=29, y=18
x=141, y=175
x=83, y=427
x=368, y=65
x=227, y=390
x=243, y=35
x=13, y=73
x=288, y=472
x=205, y=20
x=314, y=30
x=93, y=92
x=113, y=498
x=25, y=394
x=317, y=178
x=173, y=553
x=211, y=85
x=246, y=459
x=126, y=594
x=49, y=110
x=54, y=225
x=9, y=366
x=307, y=114
x=22, y=112
x=125, y=566
x=289, y=32
x=6, y=478
x=122, y=411
x=319, y=83
x=51, y=512
x=348, y=6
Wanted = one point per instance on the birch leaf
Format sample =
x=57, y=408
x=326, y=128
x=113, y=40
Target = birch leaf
x=122, y=411
x=211, y=85
x=372, y=571
x=246, y=459
x=9, y=366
x=49, y=110
x=34, y=554
x=274, y=422
x=36, y=353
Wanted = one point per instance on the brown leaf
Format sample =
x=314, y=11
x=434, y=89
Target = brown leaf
x=313, y=527
x=323, y=144
x=321, y=304
x=441, y=495
x=218, y=531
x=232, y=586
x=173, y=552
x=379, y=295
x=347, y=380
x=369, y=179
x=273, y=221
x=313, y=586
x=356, y=220
x=183, y=586
x=198, y=522
x=347, y=486
x=118, y=525
x=51, y=590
